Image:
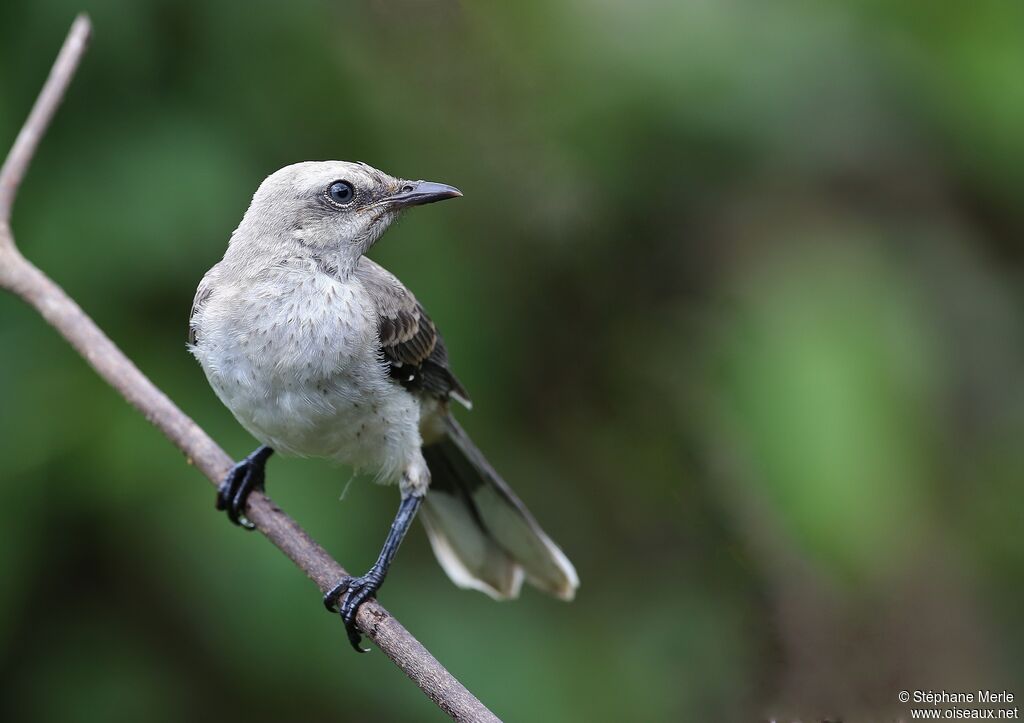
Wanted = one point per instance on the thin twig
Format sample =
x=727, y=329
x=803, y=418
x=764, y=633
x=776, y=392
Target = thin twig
x=20, y=277
x=49, y=98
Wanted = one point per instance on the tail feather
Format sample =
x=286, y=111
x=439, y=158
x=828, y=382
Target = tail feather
x=482, y=534
x=471, y=558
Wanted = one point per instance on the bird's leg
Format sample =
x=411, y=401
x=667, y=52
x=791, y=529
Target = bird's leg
x=244, y=477
x=357, y=589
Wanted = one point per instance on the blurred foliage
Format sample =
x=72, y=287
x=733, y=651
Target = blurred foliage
x=735, y=287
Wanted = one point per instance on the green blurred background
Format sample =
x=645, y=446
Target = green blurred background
x=736, y=288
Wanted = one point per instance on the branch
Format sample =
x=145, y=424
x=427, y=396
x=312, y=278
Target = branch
x=20, y=277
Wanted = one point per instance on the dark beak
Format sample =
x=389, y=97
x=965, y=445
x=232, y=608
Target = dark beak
x=417, y=193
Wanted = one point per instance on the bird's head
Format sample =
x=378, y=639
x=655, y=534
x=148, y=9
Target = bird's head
x=335, y=206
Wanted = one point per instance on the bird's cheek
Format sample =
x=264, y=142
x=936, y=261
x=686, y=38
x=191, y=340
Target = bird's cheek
x=378, y=223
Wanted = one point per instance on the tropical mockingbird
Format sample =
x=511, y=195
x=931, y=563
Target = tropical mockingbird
x=318, y=351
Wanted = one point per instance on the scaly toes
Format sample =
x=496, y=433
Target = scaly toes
x=332, y=596
x=229, y=487
x=233, y=493
x=252, y=480
x=356, y=591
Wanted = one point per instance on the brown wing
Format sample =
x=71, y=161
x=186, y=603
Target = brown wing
x=407, y=335
x=410, y=343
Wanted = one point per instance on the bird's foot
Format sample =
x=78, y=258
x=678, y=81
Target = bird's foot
x=238, y=484
x=355, y=590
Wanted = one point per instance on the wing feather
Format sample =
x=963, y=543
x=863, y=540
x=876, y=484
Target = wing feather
x=409, y=340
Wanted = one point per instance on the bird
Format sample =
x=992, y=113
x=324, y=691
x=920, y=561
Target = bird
x=318, y=351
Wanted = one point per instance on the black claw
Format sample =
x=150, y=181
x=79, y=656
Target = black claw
x=356, y=591
x=354, y=639
x=332, y=596
x=238, y=484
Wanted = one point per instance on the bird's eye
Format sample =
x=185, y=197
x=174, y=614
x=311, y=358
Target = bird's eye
x=341, y=192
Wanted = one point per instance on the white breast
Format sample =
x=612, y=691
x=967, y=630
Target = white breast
x=295, y=359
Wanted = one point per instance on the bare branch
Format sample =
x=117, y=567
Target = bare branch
x=20, y=277
x=39, y=119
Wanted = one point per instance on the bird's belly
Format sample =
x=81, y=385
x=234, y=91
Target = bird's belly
x=373, y=429
x=311, y=383
x=356, y=416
